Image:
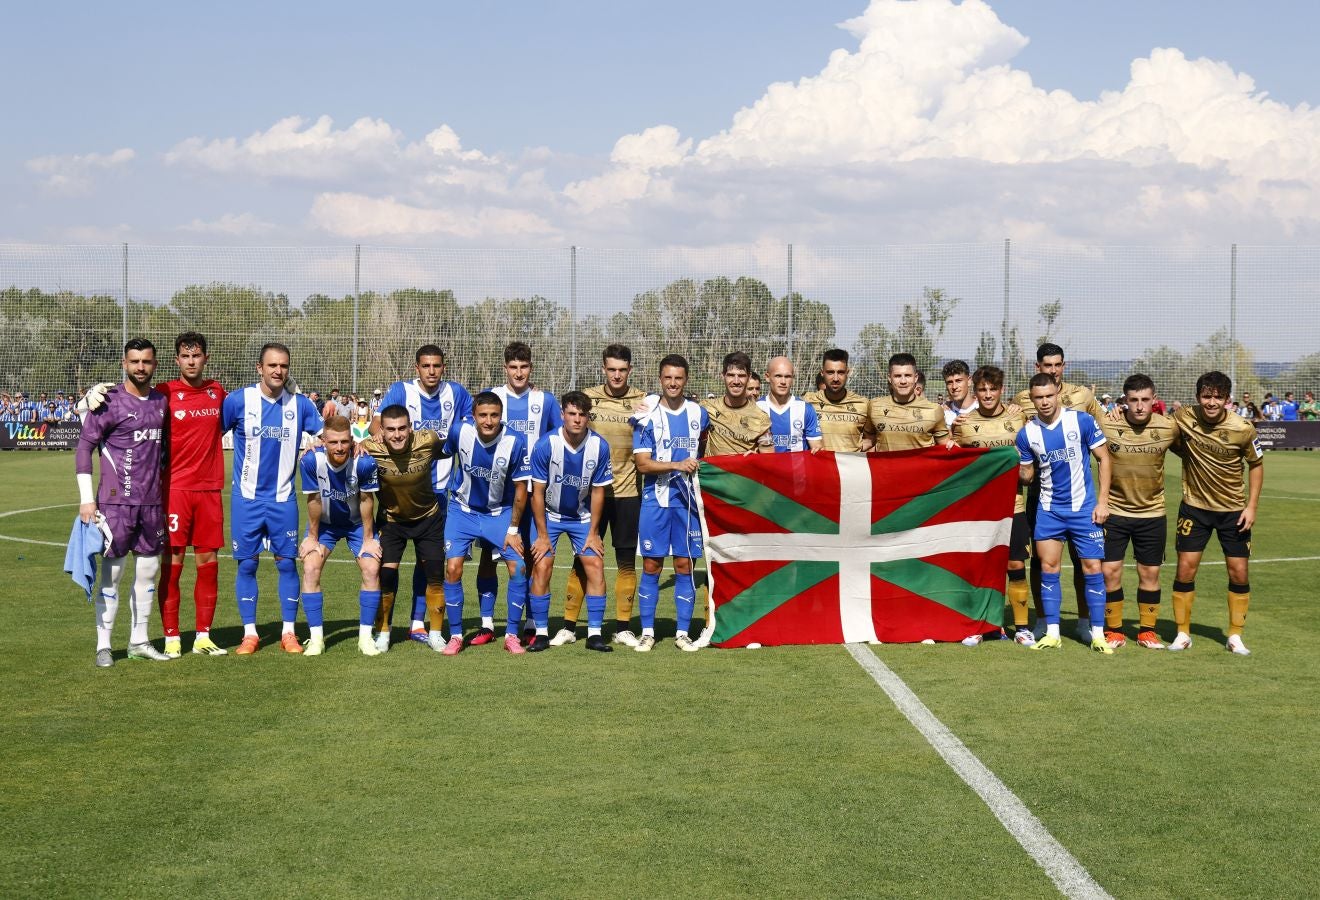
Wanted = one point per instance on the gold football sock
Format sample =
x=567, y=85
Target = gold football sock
x=1148, y=603
x=1239, y=598
x=1184, y=595
x=625, y=593
x=384, y=612
x=573, y=594
x=1019, y=599
x=1113, y=610
x=435, y=605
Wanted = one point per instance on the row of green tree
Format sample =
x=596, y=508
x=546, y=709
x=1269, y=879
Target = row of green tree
x=64, y=340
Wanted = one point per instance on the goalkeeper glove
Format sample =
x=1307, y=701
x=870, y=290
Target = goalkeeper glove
x=94, y=399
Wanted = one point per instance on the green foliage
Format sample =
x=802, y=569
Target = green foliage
x=1175, y=374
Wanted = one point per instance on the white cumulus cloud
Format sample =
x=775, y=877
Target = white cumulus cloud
x=74, y=173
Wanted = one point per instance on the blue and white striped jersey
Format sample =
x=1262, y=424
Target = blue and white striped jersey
x=267, y=435
x=669, y=436
x=534, y=414
x=485, y=475
x=432, y=412
x=569, y=475
x=1062, y=454
x=790, y=428
x=340, y=488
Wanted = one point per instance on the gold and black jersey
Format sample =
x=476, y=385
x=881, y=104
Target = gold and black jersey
x=734, y=430
x=993, y=431
x=1136, y=459
x=609, y=418
x=842, y=424
x=407, y=493
x=1072, y=396
x=1213, y=455
x=907, y=426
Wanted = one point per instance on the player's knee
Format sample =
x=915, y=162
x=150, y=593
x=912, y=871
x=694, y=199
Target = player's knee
x=285, y=565
x=454, y=569
x=626, y=559
x=389, y=580
x=517, y=570
x=248, y=567
x=147, y=567
x=435, y=571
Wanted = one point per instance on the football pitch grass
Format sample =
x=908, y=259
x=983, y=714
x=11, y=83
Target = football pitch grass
x=773, y=772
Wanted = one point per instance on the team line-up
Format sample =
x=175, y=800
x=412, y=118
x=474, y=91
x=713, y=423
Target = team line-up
x=514, y=468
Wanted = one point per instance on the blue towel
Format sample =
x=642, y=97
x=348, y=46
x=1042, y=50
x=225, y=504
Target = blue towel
x=85, y=542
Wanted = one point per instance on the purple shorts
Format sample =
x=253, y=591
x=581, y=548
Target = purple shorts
x=136, y=529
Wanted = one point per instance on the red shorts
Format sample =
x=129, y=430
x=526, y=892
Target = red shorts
x=195, y=519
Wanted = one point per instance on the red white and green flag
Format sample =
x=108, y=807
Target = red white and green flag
x=833, y=548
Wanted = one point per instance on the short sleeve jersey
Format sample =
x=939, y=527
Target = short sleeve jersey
x=669, y=436
x=792, y=426
x=127, y=432
x=196, y=459
x=907, y=426
x=404, y=479
x=341, y=487
x=569, y=473
x=435, y=412
x=1136, y=486
x=267, y=435
x=842, y=424
x=1062, y=453
x=1071, y=396
x=1213, y=454
x=1001, y=430
x=734, y=430
x=532, y=414
x=611, y=418
x=486, y=475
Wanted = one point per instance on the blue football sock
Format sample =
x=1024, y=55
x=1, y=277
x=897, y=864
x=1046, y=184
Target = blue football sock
x=648, y=597
x=454, y=607
x=368, y=606
x=288, y=572
x=595, y=610
x=486, y=590
x=314, y=608
x=245, y=589
x=540, y=610
x=685, y=600
x=1051, y=597
x=1095, y=598
x=419, y=593
x=516, y=594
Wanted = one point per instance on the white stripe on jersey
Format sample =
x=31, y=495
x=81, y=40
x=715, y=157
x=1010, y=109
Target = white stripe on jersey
x=413, y=396
x=796, y=412
x=254, y=409
x=1063, y=459
x=587, y=460
x=489, y=482
x=666, y=427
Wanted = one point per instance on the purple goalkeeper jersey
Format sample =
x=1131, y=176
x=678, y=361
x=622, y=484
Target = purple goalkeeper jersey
x=126, y=432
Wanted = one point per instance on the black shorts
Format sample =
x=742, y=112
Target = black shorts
x=1195, y=526
x=1019, y=542
x=1149, y=536
x=427, y=535
x=620, y=517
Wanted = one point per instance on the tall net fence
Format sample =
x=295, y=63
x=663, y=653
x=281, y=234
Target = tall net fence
x=354, y=315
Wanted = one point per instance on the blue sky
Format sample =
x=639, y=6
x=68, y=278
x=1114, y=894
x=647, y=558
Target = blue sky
x=541, y=93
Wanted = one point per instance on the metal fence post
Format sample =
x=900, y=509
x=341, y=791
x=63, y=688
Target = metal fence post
x=1232, y=316
x=790, y=301
x=124, y=314
x=1003, y=328
x=357, y=306
x=572, y=311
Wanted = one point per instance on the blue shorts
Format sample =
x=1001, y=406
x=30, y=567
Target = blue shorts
x=256, y=525
x=1086, y=537
x=463, y=528
x=330, y=535
x=576, y=530
x=668, y=531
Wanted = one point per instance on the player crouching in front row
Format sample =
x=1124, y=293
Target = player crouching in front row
x=340, y=502
x=570, y=470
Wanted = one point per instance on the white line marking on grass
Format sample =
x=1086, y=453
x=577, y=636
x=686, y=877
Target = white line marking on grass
x=1062, y=867
x=1285, y=497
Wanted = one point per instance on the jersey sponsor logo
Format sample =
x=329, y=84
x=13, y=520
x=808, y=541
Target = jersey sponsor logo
x=269, y=431
x=1063, y=453
x=146, y=434
x=520, y=425
x=573, y=481
x=436, y=425
x=180, y=415
x=680, y=443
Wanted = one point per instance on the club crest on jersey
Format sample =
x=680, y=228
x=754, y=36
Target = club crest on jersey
x=536, y=409
x=590, y=465
x=288, y=414
x=1072, y=435
x=210, y=393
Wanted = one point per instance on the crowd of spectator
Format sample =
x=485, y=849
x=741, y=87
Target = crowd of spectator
x=41, y=409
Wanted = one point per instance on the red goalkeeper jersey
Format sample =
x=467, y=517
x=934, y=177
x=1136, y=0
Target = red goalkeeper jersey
x=196, y=461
